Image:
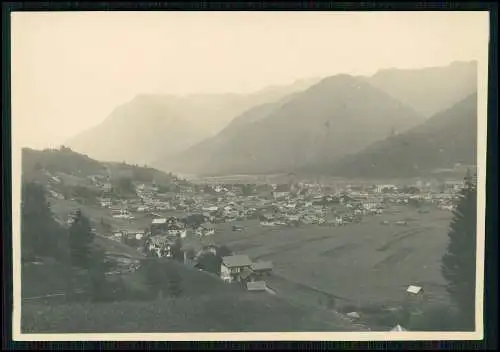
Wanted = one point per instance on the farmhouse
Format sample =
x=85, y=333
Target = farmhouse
x=107, y=187
x=415, y=297
x=261, y=268
x=142, y=208
x=173, y=221
x=203, y=231
x=158, y=226
x=120, y=212
x=106, y=202
x=55, y=179
x=281, y=191
x=117, y=236
x=267, y=223
x=56, y=195
x=176, y=230
x=159, y=246
x=414, y=290
x=232, y=266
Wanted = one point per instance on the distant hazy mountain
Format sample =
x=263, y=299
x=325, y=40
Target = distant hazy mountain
x=152, y=126
x=429, y=90
x=190, y=158
x=446, y=139
x=339, y=115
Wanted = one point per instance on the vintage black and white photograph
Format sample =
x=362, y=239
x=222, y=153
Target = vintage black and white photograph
x=309, y=175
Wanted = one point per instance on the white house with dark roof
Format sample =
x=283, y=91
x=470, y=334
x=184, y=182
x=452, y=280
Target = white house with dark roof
x=232, y=265
x=177, y=231
x=159, y=221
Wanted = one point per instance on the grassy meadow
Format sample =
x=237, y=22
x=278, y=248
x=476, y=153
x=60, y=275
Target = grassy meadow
x=366, y=263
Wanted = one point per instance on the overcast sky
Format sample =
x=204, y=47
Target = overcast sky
x=69, y=69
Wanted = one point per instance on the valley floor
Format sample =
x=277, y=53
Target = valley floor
x=318, y=270
x=360, y=264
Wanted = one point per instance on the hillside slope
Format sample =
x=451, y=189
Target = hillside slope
x=338, y=115
x=38, y=164
x=447, y=138
x=429, y=90
x=190, y=158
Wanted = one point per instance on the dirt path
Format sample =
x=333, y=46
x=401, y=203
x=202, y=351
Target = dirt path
x=339, y=250
x=401, y=236
x=292, y=246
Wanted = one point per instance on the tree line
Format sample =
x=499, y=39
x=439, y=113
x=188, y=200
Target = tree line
x=43, y=236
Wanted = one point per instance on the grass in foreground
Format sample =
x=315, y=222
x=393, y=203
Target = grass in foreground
x=205, y=304
x=228, y=312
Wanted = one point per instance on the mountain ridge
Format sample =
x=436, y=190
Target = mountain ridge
x=430, y=89
x=444, y=140
x=153, y=125
x=330, y=103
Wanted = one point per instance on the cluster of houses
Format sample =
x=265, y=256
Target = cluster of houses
x=277, y=205
x=291, y=204
x=273, y=205
x=163, y=235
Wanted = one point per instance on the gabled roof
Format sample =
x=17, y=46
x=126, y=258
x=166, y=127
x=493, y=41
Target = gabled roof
x=262, y=266
x=236, y=260
x=414, y=289
x=256, y=286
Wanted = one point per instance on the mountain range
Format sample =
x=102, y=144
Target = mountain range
x=150, y=127
x=444, y=140
x=313, y=124
x=429, y=90
x=340, y=114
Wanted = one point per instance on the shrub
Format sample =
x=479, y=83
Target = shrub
x=435, y=318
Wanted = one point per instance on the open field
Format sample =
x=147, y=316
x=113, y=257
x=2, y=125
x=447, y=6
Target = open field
x=209, y=313
x=367, y=263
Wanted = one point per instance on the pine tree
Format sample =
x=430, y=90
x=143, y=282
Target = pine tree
x=40, y=233
x=80, y=240
x=97, y=269
x=459, y=263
